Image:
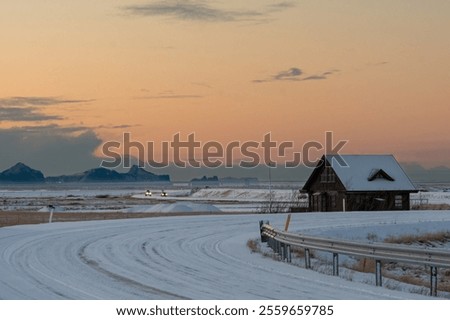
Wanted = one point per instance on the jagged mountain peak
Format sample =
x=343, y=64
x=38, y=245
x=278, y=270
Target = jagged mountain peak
x=20, y=172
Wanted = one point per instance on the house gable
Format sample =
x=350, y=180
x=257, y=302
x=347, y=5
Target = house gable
x=379, y=174
x=323, y=177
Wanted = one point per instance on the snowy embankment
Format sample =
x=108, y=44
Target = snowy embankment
x=199, y=257
x=244, y=195
x=225, y=194
x=184, y=206
x=435, y=197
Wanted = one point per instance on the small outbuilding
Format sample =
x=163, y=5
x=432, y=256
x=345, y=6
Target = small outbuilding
x=358, y=183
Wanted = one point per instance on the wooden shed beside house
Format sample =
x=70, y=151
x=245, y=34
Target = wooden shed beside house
x=363, y=183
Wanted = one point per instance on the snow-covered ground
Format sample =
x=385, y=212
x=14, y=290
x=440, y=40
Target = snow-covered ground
x=435, y=197
x=184, y=206
x=200, y=257
x=197, y=257
x=133, y=199
x=126, y=198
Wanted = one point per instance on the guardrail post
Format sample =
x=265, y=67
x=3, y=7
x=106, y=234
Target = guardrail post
x=433, y=282
x=263, y=237
x=282, y=251
x=307, y=259
x=335, y=264
x=289, y=253
x=286, y=252
x=378, y=273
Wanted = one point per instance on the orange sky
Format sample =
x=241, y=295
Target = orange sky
x=376, y=73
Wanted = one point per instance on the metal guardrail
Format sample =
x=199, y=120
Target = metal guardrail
x=282, y=241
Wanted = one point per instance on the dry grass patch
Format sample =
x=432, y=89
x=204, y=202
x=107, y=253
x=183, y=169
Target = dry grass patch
x=11, y=218
x=428, y=206
x=443, y=283
x=364, y=265
x=425, y=238
x=300, y=252
x=410, y=274
x=253, y=245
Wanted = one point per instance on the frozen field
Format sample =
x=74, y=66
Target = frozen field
x=132, y=198
x=199, y=257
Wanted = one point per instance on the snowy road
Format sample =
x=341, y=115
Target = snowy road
x=200, y=257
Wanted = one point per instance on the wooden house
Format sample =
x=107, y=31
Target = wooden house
x=358, y=183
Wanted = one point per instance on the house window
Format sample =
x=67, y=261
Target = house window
x=327, y=176
x=398, y=201
x=323, y=176
x=330, y=175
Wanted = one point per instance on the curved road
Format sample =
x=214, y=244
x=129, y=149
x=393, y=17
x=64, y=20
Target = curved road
x=197, y=257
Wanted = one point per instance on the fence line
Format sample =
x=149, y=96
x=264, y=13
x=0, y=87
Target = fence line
x=281, y=242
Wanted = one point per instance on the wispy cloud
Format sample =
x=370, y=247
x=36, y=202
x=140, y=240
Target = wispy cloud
x=202, y=84
x=175, y=96
x=321, y=76
x=48, y=129
x=170, y=95
x=28, y=109
x=292, y=74
x=36, y=101
x=24, y=114
x=296, y=74
x=120, y=126
x=282, y=5
x=196, y=10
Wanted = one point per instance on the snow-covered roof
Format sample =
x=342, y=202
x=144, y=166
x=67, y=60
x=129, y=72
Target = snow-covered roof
x=370, y=173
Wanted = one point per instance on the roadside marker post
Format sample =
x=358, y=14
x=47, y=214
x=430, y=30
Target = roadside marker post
x=288, y=220
x=52, y=209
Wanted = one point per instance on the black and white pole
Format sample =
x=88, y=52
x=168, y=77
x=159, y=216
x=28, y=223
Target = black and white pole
x=52, y=209
x=378, y=278
x=433, y=281
x=307, y=259
x=335, y=264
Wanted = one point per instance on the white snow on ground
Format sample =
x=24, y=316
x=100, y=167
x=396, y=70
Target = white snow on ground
x=197, y=257
x=226, y=194
x=432, y=197
x=99, y=197
x=170, y=194
x=184, y=206
x=236, y=194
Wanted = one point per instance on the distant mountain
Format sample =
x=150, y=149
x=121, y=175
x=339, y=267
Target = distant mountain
x=101, y=174
x=246, y=180
x=139, y=174
x=21, y=173
x=205, y=181
x=417, y=173
x=107, y=175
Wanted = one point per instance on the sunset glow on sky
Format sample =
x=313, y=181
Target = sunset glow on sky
x=75, y=74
